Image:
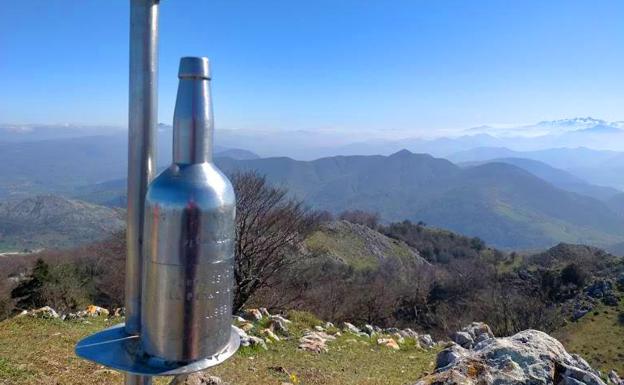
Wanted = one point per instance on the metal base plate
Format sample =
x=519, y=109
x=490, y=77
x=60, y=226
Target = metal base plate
x=116, y=349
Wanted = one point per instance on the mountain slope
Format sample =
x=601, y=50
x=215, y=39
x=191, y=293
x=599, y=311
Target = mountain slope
x=498, y=202
x=557, y=177
x=509, y=207
x=359, y=246
x=52, y=221
x=598, y=167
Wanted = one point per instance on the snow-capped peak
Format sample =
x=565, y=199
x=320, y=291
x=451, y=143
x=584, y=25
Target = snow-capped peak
x=578, y=123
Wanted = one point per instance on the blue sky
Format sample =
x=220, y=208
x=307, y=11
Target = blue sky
x=413, y=65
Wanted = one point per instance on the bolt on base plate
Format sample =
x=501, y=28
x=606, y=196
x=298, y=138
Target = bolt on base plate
x=116, y=349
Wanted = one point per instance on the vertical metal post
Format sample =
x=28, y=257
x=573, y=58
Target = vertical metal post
x=142, y=122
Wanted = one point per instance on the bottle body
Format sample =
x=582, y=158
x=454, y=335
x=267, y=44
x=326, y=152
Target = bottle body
x=188, y=235
x=188, y=263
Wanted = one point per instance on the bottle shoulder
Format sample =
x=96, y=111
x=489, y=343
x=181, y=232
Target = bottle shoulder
x=202, y=183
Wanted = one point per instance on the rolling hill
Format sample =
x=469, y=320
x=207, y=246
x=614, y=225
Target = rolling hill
x=52, y=221
x=501, y=203
x=557, y=177
x=600, y=167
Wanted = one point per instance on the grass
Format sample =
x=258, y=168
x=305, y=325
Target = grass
x=598, y=337
x=353, y=249
x=37, y=351
x=348, y=247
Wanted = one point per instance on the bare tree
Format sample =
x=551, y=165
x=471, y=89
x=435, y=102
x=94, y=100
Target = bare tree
x=270, y=227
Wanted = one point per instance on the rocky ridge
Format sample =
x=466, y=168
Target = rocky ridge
x=53, y=221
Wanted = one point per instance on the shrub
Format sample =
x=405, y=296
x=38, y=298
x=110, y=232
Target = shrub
x=573, y=274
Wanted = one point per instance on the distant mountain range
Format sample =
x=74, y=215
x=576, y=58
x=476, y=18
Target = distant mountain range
x=313, y=144
x=310, y=145
x=505, y=189
x=61, y=165
x=605, y=168
x=500, y=202
x=557, y=177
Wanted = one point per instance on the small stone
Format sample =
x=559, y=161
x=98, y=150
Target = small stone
x=319, y=328
x=449, y=356
x=409, y=333
x=279, y=325
x=256, y=341
x=269, y=333
x=314, y=341
x=426, y=341
x=463, y=339
x=349, y=327
x=44, y=312
x=369, y=329
x=388, y=342
x=265, y=312
x=278, y=317
x=119, y=312
x=247, y=326
x=253, y=314
x=96, y=311
x=478, y=331
x=399, y=338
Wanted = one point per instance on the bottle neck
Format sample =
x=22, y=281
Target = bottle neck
x=193, y=125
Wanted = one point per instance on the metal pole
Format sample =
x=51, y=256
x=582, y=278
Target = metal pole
x=142, y=122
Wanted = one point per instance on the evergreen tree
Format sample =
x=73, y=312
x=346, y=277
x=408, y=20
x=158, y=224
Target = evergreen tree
x=29, y=292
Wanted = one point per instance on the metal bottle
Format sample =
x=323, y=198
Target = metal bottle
x=187, y=275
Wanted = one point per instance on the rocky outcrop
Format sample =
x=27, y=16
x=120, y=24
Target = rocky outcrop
x=366, y=243
x=54, y=221
x=530, y=357
x=599, y=290
x=615, y=379
x=603, y=289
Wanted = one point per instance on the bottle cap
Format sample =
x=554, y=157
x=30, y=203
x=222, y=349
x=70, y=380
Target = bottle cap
x=194, y=67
